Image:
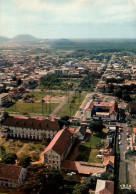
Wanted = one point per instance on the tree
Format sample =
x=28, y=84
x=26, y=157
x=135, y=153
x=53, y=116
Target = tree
x=96, y=126
x=2, y=151
x=5, y=115
x=9, y=158
x=80, y=189
x=24, y=161
x=118, y=92
x=126, y=97
x=107, y=176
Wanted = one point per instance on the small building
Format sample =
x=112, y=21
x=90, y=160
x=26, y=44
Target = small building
x=58, y=149
x=3, y=98
x=104, y=187
x=12, y=176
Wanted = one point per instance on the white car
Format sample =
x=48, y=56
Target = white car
x=120, y=143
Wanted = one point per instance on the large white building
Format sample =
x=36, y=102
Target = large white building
x=30, y=128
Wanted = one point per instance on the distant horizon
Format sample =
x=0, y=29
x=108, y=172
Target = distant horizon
x=69, y=19
x=86, y=38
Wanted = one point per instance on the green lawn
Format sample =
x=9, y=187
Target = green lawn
x=93, y=142
x=24, y=107
x=40, y=95
x=71, y=108
x=88, y=150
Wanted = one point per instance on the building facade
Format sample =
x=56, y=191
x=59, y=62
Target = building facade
x=3, y=98
x=58, y=149
x=30, y=128
x=12, y=176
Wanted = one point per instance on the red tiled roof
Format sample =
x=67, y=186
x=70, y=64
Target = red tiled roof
x=60, y=141
x=82, y=167
x=9, y=172
x=108, y=160
x=134, y=130
x=32, y=123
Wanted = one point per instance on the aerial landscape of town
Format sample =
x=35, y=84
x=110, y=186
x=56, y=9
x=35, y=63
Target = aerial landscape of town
x=68, y=101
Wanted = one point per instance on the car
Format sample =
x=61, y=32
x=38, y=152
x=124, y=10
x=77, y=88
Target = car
x=120, y=143
x=128, y=142
x=128, y=147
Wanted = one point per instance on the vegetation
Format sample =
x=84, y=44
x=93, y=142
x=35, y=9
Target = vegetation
x=89, y=81
x=32, y=108
x=39, y=179
x=130, y=154
x=58, y=81
x=96, y=126
x=9, y=158
x=24, y=161
x=72, y=105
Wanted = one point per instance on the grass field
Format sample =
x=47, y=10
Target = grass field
x=88, y=150
x=40, y=95
x=36, y=108
x=21, y=147
x=71, y=108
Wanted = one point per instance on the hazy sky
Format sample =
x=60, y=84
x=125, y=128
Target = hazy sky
x=68, y=18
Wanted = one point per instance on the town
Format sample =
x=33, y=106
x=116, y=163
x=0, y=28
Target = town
x=68, y=119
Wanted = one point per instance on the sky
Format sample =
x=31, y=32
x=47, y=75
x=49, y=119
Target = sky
x=68, y=18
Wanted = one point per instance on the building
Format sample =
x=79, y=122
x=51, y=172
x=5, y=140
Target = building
x=12, y=175
x=104, y=187
x=3, y=98
x=58, y=149
x=30, y=128
x=106, y=111
x=83, y=168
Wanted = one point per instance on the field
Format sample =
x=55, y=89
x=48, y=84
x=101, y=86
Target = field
x=71, y=106
x=21, y=147
x=89, y=150
x=51, y=101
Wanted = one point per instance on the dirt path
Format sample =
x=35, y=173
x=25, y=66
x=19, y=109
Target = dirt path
x=59, y=107
x=23, y=148
x=41, y=159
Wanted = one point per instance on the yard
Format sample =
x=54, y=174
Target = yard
x=36, y=108
x=90, y=149
x=21, y=147
x=72, y=105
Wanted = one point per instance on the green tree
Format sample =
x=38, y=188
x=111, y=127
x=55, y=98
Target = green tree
x=9, y=158
x=118, y=92
x=80, y=189
x=96, y=126
x=24, y=161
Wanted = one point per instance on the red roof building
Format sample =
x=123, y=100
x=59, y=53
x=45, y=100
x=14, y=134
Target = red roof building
x=11, y=175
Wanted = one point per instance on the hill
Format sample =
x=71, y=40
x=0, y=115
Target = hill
x=24, y=38
x=3, y=39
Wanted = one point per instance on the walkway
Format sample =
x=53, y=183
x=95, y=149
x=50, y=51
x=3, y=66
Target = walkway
x=59, y=107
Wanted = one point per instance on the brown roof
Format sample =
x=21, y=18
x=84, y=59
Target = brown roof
x=60, y=141
x=9, y=172
x=82, y=167
x=104, y=187
x=32, y=123
x=108, y=160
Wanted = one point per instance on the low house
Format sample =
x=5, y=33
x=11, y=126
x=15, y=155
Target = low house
x=31, y=128
x=80, y=132
x=58, y=149
x=108, y=161
x=12, y=176
x=104, y=187
x=82, y=168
